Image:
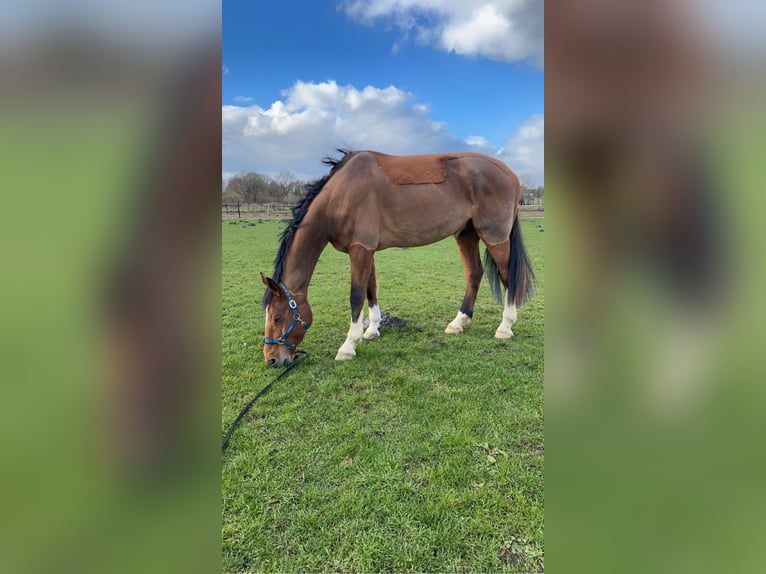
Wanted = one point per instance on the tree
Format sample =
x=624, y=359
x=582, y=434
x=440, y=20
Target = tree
x=232, y=197
x=254, y=187
x=292, y=189
x=528, y=187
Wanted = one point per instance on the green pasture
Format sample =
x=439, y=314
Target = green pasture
x=424, y=453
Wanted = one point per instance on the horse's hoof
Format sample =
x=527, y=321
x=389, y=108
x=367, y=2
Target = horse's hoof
x=457, y=324
x=503, y=334
x=369, y=336
x=345, y=356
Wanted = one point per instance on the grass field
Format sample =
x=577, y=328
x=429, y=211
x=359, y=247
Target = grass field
x=425, y=453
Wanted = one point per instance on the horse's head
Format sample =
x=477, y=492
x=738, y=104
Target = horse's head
x=288, y=317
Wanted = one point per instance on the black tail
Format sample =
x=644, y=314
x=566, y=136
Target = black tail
x=521, y=278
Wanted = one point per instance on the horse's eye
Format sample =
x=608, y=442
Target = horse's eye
x=277, y=318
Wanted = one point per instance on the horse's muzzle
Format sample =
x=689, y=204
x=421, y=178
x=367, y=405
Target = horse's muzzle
x=279, y=362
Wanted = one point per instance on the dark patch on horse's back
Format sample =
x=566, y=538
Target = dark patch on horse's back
x=421, y=169
x=299, y=212
x=413, y=169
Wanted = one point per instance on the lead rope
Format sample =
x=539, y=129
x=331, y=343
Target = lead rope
x=299, y=357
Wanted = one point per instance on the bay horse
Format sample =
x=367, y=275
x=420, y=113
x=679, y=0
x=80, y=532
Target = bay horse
x=371, y=201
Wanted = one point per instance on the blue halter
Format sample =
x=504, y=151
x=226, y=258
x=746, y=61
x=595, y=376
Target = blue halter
x=296, y=319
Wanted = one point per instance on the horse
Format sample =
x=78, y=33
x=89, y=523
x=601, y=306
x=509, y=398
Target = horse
x=370, y=201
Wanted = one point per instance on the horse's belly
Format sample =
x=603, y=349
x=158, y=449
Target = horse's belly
x=414, y=215
x=414, y=230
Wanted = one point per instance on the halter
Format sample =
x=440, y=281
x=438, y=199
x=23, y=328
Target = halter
x=296, y=319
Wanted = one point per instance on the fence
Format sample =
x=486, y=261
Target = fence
x=282, y=211
x=257, y=210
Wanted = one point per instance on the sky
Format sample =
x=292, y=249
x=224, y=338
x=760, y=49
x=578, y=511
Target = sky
x=302, y=78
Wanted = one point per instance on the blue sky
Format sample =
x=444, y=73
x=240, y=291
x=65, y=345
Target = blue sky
x=402, y=76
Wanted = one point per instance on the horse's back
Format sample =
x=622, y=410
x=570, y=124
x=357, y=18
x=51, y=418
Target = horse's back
x=413, y=169
x=435, y=168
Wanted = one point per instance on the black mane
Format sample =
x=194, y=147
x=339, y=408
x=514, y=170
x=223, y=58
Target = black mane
x=299, y=212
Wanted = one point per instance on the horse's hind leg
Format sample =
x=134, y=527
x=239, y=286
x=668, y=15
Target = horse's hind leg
x=361, y=266
x=468, y=245
x=501, y=253
x=372, y=302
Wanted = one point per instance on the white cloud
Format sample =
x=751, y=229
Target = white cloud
x=312, y=119
x=243, y=99
x=524, y=150
x=315, y=118
x=504, y=30
x=480, y=144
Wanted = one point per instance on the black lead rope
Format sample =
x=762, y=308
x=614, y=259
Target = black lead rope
x=299, y=357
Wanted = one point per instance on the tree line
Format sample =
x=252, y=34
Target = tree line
x=531, y=193
x=254, y=187
x=285, y=188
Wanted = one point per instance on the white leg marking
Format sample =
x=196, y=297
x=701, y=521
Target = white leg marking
x=348, y=348
x=509, y=318
x=372, y=331
x=457, y=324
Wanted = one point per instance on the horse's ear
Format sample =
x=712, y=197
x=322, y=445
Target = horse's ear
x=272, y=285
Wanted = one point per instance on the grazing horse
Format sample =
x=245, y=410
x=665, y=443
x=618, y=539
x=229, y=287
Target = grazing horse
x=372, y=201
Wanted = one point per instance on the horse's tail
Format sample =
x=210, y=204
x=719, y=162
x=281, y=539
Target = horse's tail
x=521, y=277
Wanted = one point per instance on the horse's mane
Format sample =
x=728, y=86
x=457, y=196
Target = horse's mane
x=299, y=212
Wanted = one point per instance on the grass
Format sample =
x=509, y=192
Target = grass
x=424, y=453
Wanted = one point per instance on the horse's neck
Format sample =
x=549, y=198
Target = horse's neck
x=306, y=247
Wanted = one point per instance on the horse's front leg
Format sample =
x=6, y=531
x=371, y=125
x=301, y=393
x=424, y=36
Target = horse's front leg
x=372, y=331
x=361, y=266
